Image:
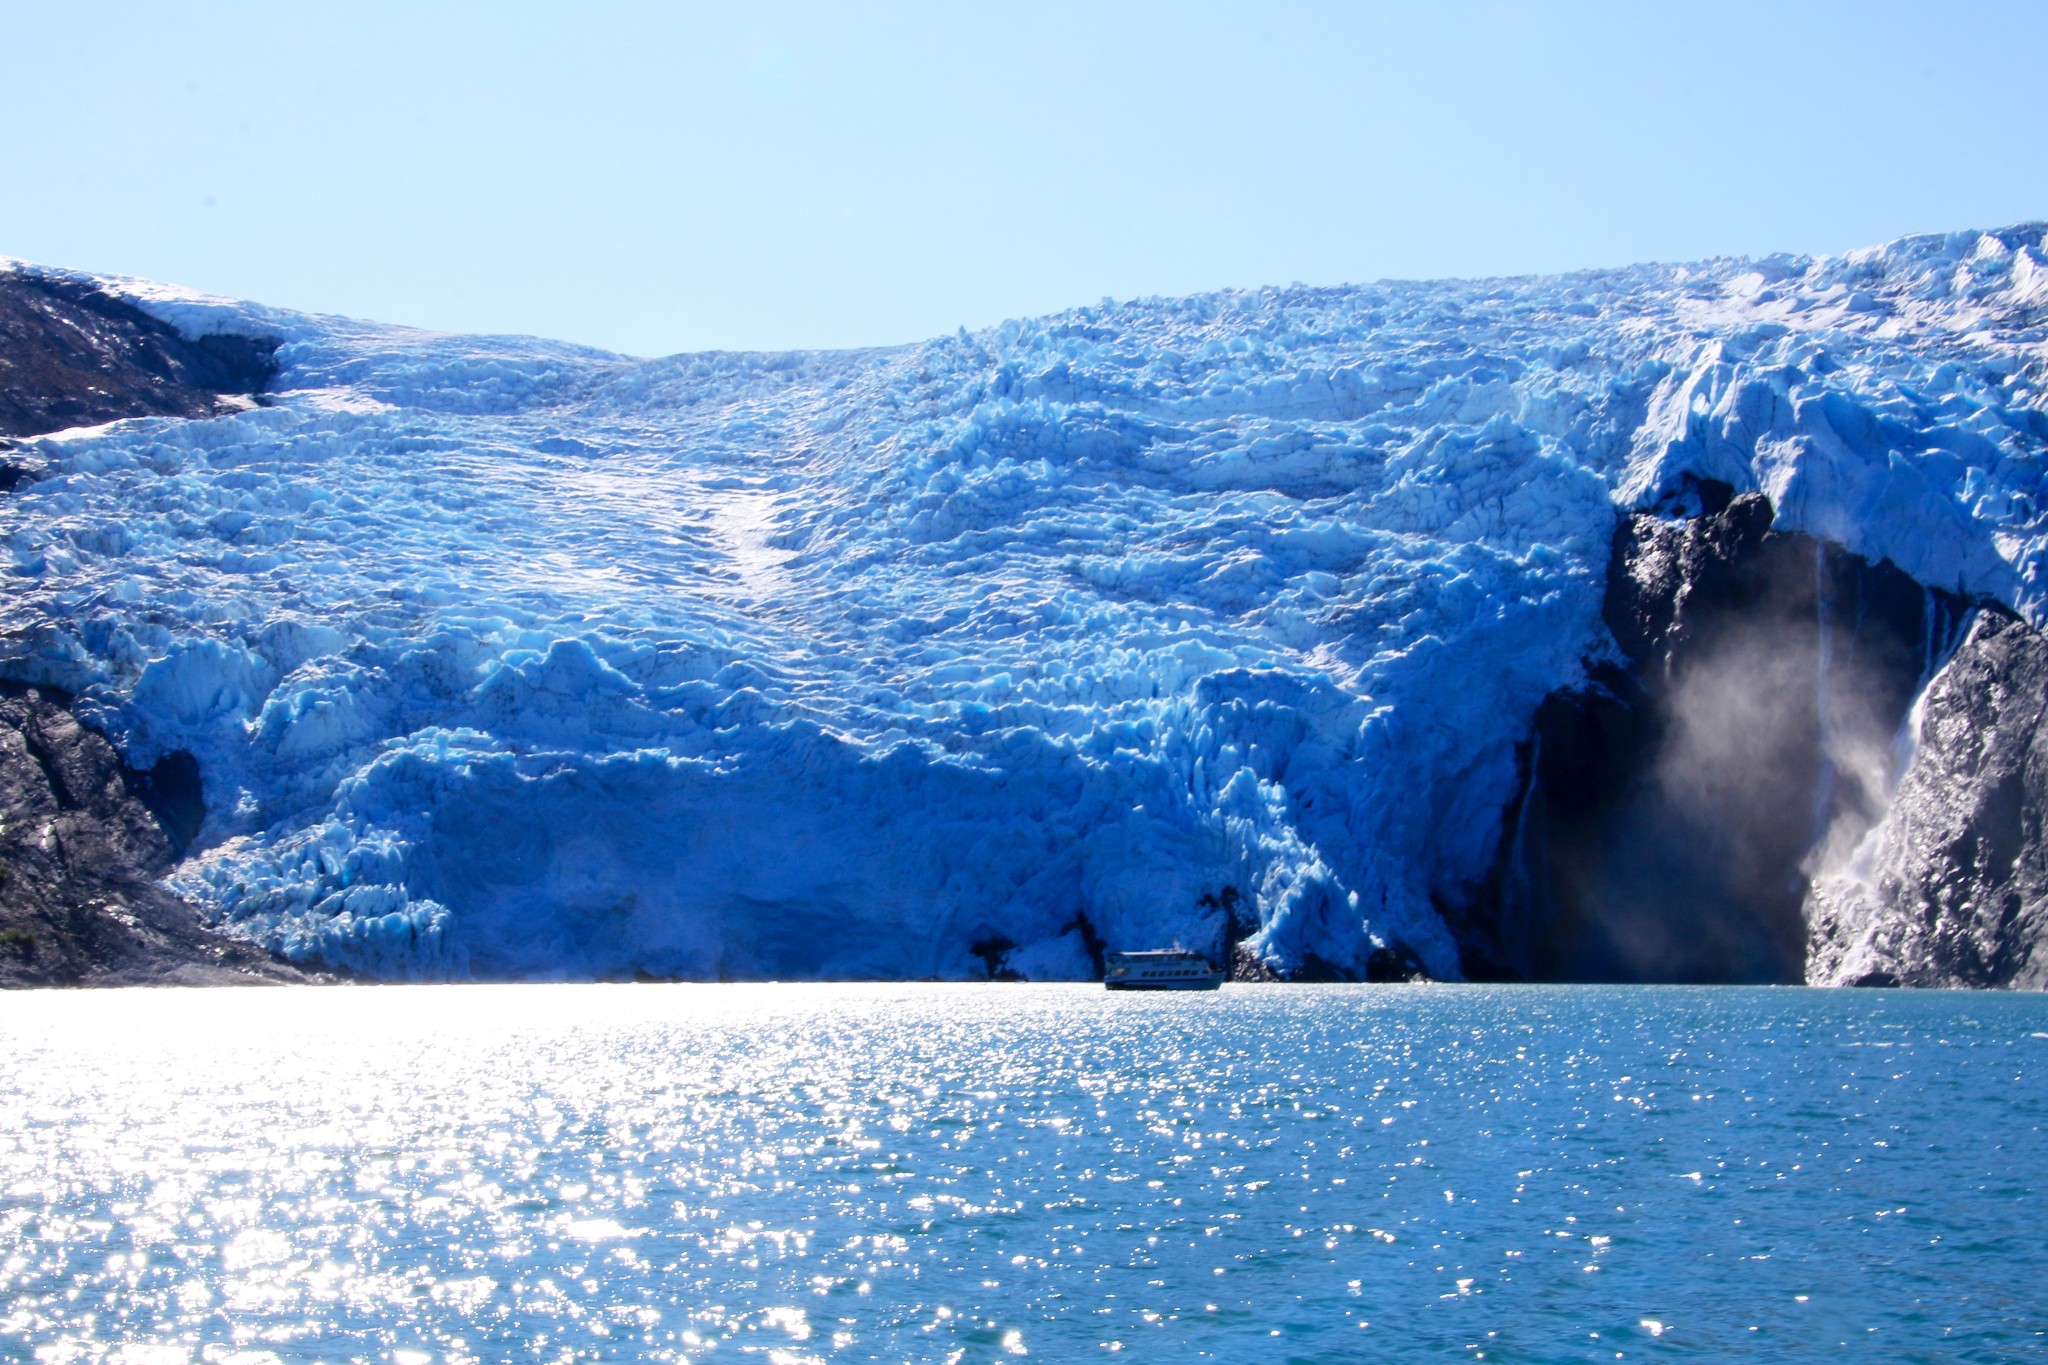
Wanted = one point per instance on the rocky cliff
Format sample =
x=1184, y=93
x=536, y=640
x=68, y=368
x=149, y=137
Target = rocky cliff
x=1950, y=888
x=1798, y=765
x=83, y=838
x=72, y=356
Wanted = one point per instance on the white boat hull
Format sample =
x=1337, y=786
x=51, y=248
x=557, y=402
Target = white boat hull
x=1171, y=969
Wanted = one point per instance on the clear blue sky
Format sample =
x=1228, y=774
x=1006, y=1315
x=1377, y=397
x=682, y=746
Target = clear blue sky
x=661, y=177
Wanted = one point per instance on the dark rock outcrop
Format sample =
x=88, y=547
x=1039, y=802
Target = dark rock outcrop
x=1951, y=889
x=83, y=840
x=72, y=355
x=1675, y=809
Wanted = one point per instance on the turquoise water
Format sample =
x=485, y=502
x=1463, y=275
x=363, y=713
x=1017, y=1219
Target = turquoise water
x=973, y=1173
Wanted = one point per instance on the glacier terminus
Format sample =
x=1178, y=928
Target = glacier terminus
x=1221, y=621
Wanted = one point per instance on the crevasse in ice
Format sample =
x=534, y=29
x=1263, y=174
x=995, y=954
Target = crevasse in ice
x=509, y=658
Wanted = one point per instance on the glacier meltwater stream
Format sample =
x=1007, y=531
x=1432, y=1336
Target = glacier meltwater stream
x=969, y=1173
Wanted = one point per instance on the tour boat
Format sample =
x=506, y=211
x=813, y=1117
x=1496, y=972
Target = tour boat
x=1163, y=969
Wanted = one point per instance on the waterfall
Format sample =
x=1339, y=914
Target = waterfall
x=1528, y=882
x=1930, y=608
x=1824, y=782
x=1941, y=637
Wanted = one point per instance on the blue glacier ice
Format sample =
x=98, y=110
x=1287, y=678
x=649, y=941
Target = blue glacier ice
x=503, y=657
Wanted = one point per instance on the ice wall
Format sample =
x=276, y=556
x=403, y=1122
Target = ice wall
x=503, y=657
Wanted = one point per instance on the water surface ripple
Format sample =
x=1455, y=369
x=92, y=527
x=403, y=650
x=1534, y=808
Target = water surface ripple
x=975, y=1173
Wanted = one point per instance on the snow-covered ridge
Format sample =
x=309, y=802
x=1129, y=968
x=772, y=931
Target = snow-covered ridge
x=509, y=657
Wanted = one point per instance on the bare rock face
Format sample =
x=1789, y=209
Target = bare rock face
x=71, y=356
x=1951, y=887
x=1675, y=810
x=83, y=838
x=1804, y=767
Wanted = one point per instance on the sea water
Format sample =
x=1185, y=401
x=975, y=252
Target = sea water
x=795, y=1173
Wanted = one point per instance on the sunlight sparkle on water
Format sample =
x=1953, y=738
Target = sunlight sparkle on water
x=945, y=1172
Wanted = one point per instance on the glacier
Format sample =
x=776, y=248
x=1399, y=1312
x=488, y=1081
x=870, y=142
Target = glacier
x=1213, y=620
